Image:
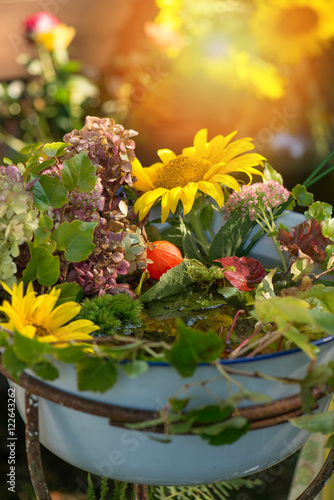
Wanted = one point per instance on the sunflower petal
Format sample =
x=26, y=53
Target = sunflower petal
x=227, y=180
x=214, y=190
x=144, y=204
x=188, y=196
x=200, y=141
x=144, y=181
x=166, y=155
x=169, y=202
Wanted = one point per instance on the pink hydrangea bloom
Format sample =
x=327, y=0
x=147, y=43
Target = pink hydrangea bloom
x=257, y=197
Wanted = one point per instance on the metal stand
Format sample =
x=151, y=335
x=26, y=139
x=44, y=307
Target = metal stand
x=260, y=416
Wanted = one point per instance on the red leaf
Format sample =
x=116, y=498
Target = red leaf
x=247, y=272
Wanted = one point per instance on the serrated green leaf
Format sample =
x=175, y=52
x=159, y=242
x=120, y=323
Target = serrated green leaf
x=96, y=374
x=302, y=196
x=173, y=281
x=75, y=238
x=70, y=292
x=43, y=232
x=193, y=347
x=230, y=237
x=55, y=148
x=79, y=173
x=42, y=266
x=270, y=174
x=37, y=168
x=321, y=422
x=12, y=363
x=134, y=368
x=49, y=192
x=45, y=370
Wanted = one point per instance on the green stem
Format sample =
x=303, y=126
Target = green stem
x=197, y=227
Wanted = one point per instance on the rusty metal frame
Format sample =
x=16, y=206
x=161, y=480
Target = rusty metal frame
x=260, y=416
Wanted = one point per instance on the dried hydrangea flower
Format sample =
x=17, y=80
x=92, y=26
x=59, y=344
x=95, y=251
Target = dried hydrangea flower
x=256, y=198
x=18, y=220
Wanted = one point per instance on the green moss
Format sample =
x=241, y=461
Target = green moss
x=112, y=313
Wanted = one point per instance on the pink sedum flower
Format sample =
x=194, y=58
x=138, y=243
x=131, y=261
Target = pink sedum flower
x=255, y=198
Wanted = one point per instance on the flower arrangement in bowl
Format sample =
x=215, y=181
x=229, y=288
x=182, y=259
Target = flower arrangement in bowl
x=172, y=319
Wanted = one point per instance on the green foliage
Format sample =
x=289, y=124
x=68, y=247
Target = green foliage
x=75, y=239
x=69, y=292
x=319, y=211
x=302, y=196
x=43, y=266
x=49, y=192
x=231, y=237
x=323, y=422
x=79, y=173
x=112, y=313
x=171, y=282
x=96, y=374
x=193, y=347
x=270, y=174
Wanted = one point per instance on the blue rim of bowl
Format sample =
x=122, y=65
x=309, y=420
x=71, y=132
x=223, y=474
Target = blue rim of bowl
x=261, y=357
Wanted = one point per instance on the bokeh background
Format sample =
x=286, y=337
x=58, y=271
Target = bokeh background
x=167, y=68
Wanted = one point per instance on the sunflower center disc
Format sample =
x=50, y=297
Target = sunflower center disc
x=180, y=171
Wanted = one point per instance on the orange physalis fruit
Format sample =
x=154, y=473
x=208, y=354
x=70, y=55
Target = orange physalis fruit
x=164, y=256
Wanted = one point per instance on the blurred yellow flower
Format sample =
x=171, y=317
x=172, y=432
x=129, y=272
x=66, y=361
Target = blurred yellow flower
x=202, y=167
x=37, y=316
x=289, y=30
x=58, y=38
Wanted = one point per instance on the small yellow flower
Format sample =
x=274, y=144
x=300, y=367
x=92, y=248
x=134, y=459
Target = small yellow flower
x=203, y=167
x=37, y=316
x=289, y=30
x=58, y=38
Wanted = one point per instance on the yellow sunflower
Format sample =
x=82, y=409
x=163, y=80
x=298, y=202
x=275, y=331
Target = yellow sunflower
x=37, y=316
x=58, y=38
x=289, y=30
x=202, y=167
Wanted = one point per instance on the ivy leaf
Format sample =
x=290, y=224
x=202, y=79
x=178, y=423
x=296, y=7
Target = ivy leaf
x=45, y=370
x=76, y=238
x=55, y=148
x=321, y=422
x=70, y=292
x=49, y=192
x=79, y=173
x=265, y=289
x=96, y=374
x=43, y=232
x=174, y=280
x=302, y=196
x=193, y=347
x=226, y=432
x=134, y=368
x=42, y=266
x=230, y=237
x=12, y=363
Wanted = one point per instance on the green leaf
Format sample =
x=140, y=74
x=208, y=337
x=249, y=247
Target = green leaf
x=42, y=266
x=49, y=192
x=328, y=229
x=3, y=339
x=265, y=289
x=45, y=370
x=209, y=414
x=134, y=368
x=12, y=363
x=323, y=319
x=29, y=350
x=178, y=404
x=230, y=237
x=70, y=292
x=31, y=147
x=302, y=196
x=43, y=232
x=55, y=148
x=96, y=374
x=226, y=432
x=319, y=211
x=270, y=174
x=76, y=238
x=35, y=168
x=79, y=173
x=206, y=216
x=190, y=248
x=71, y=353
x=193, y=347
x=173, y=281
x=321, y=422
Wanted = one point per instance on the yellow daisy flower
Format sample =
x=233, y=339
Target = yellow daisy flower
x=289, y=30
x=202, y=167
x=37, y=316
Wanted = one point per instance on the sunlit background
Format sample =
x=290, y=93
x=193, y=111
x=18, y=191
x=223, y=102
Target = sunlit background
x=168, y=68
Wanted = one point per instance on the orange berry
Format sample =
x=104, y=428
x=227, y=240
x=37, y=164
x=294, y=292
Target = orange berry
x=164, y=256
